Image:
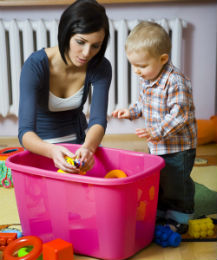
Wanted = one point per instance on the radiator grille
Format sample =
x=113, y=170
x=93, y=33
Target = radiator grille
x=18, y=39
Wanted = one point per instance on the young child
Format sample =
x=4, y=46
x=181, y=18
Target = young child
x=166, y=105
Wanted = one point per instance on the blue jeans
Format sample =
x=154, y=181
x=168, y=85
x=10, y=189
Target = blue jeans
x=176, y=191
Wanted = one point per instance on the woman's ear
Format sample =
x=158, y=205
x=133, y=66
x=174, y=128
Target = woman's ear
x=164, y=58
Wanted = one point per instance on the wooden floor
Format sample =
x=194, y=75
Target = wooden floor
x=186, y=250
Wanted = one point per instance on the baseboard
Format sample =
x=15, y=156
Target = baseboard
x=8, y=141
x=119, y=141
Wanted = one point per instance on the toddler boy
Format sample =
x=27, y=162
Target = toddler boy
x=165, y=102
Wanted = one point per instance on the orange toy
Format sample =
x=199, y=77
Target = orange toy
x=116, y=174
x=6, y=152
x=207, y=130
x=57, y=249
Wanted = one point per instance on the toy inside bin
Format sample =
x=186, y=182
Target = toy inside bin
x=101, y=217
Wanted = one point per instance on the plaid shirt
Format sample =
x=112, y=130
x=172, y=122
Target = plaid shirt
x=168, y=111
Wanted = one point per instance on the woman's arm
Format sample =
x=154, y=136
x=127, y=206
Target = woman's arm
x=33, y=143
x=92, y=141
x=33, y=76
x=100, y=80
x=93, y=138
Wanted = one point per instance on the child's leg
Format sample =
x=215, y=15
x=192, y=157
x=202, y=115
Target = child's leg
x=176, y=193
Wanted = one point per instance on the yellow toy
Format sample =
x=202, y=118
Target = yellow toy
x=75, y=162
x=201, y=228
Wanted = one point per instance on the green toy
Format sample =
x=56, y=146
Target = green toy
x=5, y=175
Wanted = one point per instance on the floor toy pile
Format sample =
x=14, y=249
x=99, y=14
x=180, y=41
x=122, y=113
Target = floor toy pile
x=32, y=248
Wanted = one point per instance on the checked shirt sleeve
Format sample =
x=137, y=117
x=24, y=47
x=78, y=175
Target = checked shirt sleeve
x=135, y=111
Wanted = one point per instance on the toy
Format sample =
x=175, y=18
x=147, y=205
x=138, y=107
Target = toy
x=19, y=243
x=31, y=248
x=164, y=236
x=6, y=152
x=4, y=226
x=207, y=130
x=6, y=239
x=5, y=175
x=25, y=251
x=76, y=162
x=116, y=174
x=201, y=228
x=57, y=249
x=12, y=230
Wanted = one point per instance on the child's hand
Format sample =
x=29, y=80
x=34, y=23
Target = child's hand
x=121, y=113
x=145, y=133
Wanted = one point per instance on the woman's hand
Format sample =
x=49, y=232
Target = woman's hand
x=86, y=158
x=58, y=154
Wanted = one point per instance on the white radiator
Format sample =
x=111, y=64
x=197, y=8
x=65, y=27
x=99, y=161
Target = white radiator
x=18, y=39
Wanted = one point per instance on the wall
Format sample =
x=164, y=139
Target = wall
x=199, y=50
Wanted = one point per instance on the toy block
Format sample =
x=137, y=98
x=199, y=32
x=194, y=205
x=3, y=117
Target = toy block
x=201, y=228
x=6, y=239
x=12, y=230
x=164, y=236
x=57, y=249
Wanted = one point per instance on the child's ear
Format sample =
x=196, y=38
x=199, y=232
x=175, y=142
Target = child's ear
x=164, y=58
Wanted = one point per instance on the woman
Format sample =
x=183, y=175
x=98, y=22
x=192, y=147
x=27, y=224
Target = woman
x=55, y=83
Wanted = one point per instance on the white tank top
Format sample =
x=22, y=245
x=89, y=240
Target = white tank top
x=56, y=104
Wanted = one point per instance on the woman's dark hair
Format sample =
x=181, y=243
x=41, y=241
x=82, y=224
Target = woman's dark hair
x=83, y=17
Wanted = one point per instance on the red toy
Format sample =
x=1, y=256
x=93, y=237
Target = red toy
x=14, y=246
x=6, y=239
x=57, y=249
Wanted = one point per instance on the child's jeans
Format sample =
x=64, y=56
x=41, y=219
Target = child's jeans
x=176, y=192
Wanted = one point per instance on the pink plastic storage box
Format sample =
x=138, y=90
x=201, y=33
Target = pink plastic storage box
x=101, y=217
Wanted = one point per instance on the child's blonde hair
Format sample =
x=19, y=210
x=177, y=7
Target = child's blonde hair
x=148, y=36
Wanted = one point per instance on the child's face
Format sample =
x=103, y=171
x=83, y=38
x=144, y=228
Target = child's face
x=147, y=66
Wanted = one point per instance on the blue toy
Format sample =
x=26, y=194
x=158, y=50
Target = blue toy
x=164, y=236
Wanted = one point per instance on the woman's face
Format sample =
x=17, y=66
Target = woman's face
x=83, y=47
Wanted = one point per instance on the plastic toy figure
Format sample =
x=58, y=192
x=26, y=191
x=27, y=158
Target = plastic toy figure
x=76, y=162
